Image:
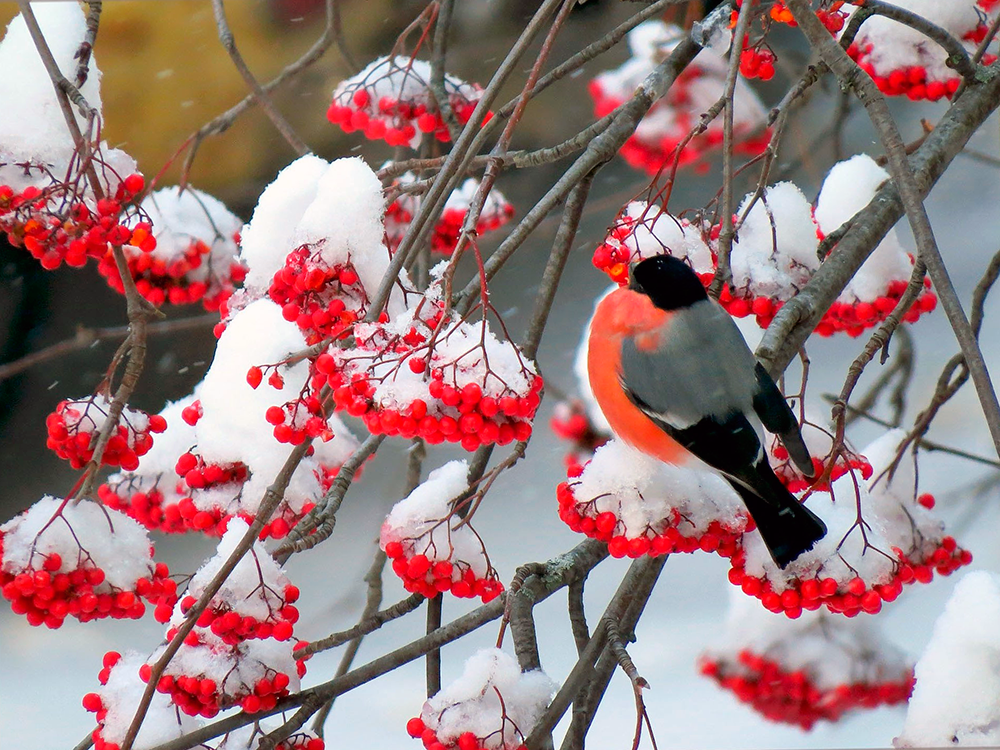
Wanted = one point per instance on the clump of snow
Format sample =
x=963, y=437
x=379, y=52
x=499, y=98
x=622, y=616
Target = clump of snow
x=335, y=207
x=255, y=588
x=848, y=188
x=956, y=700
x=32, y=126
x=472, y=703
x=83, y=531
x=257, y=335
x=120, y=698
x=774, y=251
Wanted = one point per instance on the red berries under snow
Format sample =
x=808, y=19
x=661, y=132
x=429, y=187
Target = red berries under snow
x=390, y=100
x=444, y=380
x=74, y=426
x=59, y=560
x=670, y=120
x=432, y=549
x=491, y=706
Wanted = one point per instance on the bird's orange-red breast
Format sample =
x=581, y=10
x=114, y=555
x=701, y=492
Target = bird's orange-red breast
x=625, y=313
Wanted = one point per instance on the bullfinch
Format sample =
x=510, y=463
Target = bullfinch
x=675, y=379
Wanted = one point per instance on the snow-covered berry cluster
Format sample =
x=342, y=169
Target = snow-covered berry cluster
x=775, y=250
x=443, y=379
x=431, y=549
x=74, y=425
x=391, y=100
x=671, y=121
x=640, y=506
x=256, y=601
x=208, y=675
x=193, y=253
x=902, y=61
x=116, y=701
x=827, y=467
x=61, y=205
x=491, y=706
x=816, y=668
x=248, y=738
x=881, y=536
x=496, y=212
x=59, y=560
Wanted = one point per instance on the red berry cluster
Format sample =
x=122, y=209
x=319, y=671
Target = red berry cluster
x=665, y=539
x=55, y=591
x=55, y=224
x=465, y=415
x=199, y=475
x=416, y=728
x=201, y=695
x=383, y=111
x=149, y=507
x=449, y=224
x=795, y=482
x=911, y=82
x=231, y=627
x=297, y=420
x=161, y=280
x=832, y=16
x=73, y=428
x=856, y=595
x=757, y=62
x=301, y=741
x=323, y=302
x=429, y=575
x=793, y=697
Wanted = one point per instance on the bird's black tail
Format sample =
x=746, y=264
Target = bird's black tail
x=787, y=527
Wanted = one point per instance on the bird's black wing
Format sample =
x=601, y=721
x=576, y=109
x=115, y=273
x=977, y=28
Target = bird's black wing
x=778, y=418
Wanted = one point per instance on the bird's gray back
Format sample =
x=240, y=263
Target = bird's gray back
x=702, y=367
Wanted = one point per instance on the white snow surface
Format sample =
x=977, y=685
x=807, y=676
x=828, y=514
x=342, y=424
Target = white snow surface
x=117, y=545
x=848, y=187
x=774, y=252
x=32, y=126
x=337, y=207
x=656, y=232
x=232, y=427
x=255, y=588
x=471, y=704
x=121, y=696
x=642, y=492
x=956, y=700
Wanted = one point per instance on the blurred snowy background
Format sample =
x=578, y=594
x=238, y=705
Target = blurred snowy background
x=44, y=674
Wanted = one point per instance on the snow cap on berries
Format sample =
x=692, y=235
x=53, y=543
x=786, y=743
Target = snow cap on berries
x=116, y=544
x=774, y=252
x=338, y=207
x=233, y=427
x=32, y=125
x=956, y=700
x=120, y=696
x=643, y=492
x=471, y=703
x=848, y=188
x=256, y=586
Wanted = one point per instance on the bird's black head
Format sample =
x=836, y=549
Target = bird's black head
x=670, y=283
